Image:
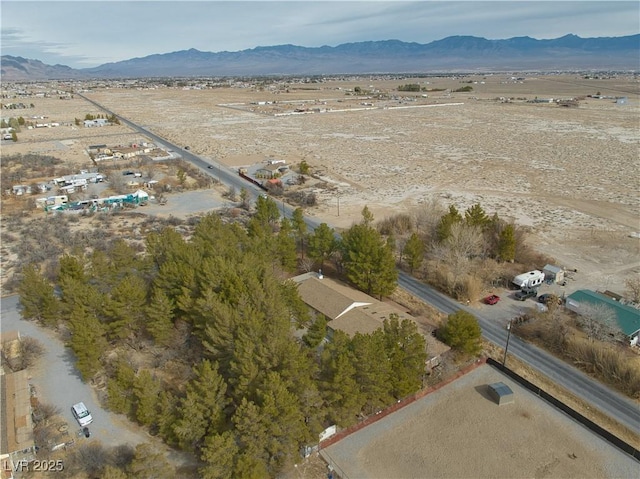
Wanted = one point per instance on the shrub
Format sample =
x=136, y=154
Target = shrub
x=461, y=331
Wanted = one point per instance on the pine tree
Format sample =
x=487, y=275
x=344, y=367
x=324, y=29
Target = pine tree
x=461, y=331
x=267, y=212
x=367, y=216
x=128, y=299
x=406, y=351
x=201, y=411
x=443, y=230
x=316, y=332
x=299, y=227
x=507, y=244
x=147, y=463
x=87, y=341
x=339, y=386
x=252, y=432
x=286, y=247
x=145, y=391
x=219, y=454
x=37, y=297
x=120, y=385
x=368, y=260
x=414, y=252
x=159, y=314
x=373, y=369
x=322, y=243
x=476, y=216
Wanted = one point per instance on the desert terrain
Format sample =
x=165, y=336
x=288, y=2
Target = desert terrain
x=568, y=173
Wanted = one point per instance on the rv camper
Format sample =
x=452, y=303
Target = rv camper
x=531, y=279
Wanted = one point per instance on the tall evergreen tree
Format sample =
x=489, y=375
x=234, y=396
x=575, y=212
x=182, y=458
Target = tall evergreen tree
x=322, y=243
x=201, y=411
x=368, y=260
x=219, y=454
x=443, y=230
x=120, y=386
x=406, y=351
x=316, y=332
x=339, y=386
x=461, y=331
x=507, y=243
x=413, y=252
x=299, y=227
x=147, y=463
x=286, y=247
x=159, y=314
x=267, y=212
x=87, y=341
x=128, y=300
x=37, y=297
x=476, y=216
x=373, y=369
x=367, y=216
x=145, y=390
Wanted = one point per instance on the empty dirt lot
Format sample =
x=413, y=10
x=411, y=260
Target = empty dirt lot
x=458, y=431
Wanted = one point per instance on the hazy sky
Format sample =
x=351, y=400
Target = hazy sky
x=89, y=33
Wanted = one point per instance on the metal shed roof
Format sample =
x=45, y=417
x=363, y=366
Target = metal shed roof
x=628, y=318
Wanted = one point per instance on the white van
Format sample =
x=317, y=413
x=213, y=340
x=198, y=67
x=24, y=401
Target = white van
x=82, y=414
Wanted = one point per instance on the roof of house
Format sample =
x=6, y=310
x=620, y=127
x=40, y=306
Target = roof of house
x=628, y=318
x=328, y=296
x=352, y=311
x=16, y=429
x=272, y=167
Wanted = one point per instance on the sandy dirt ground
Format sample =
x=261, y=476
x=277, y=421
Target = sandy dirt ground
x=571, y=174
x=526, y=439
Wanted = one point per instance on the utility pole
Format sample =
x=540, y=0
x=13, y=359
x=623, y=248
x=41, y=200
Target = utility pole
x=338, y=204
x=504, y=359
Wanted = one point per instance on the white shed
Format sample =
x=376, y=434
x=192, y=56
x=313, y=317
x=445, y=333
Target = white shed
x=553, y=273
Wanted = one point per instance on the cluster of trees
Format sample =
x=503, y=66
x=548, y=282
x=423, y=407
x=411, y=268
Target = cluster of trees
x=110, y=118
x=224, y=377
x=410, y=87
x=12, y=122
x=461, y=253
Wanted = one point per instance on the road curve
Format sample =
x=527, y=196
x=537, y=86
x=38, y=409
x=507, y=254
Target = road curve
x=603, y=398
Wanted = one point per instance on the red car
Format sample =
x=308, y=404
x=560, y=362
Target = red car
x=493, y=299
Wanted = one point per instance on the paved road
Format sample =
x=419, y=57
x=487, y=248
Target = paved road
x=601, y=397
x=58, y=383
x=611, y=403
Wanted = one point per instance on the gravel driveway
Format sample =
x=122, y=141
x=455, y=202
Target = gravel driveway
x=58, y=382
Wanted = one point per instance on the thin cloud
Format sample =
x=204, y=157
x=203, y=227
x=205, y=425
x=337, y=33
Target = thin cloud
x=89, y=33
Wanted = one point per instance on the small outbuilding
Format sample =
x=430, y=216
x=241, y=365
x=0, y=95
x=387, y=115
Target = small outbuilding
x=500, y=393
x=554, y=274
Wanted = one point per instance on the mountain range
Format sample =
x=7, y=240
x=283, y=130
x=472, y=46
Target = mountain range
x=451, y=54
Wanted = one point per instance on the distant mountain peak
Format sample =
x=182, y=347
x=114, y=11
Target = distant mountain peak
x=455, y=53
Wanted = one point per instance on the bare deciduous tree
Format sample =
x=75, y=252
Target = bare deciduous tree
x=598, y=321
x=633, y=289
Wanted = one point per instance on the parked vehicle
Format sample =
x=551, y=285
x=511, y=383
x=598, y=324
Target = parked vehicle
x=530, y=279
x=82, y=414
x=526, y=293
x=492, y=299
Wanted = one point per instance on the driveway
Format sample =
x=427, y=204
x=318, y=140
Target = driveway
x=58, y=383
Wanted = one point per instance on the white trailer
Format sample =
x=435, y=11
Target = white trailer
x=530, y=279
